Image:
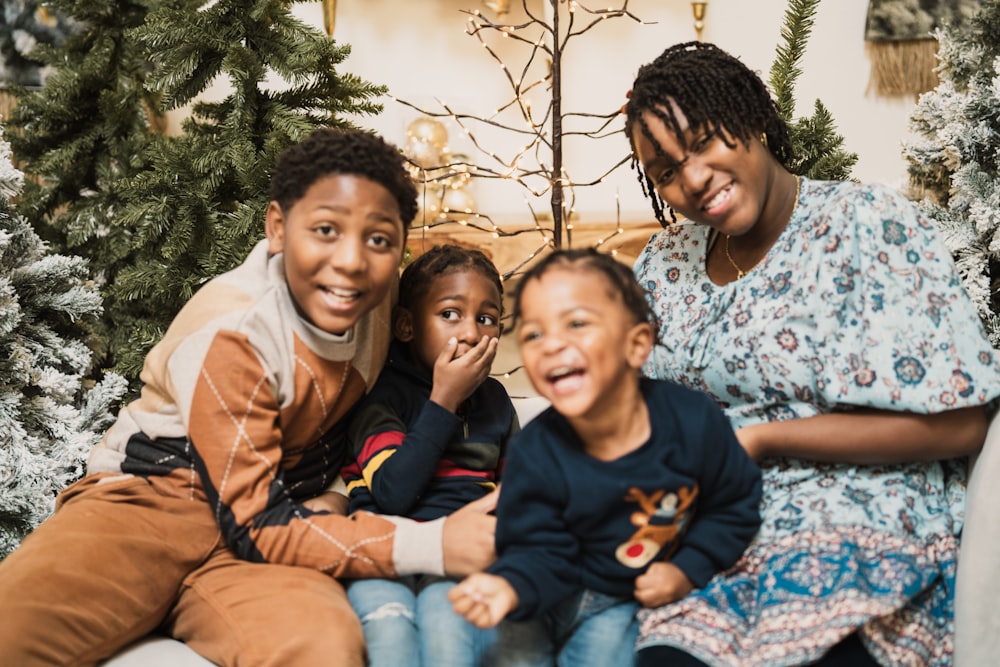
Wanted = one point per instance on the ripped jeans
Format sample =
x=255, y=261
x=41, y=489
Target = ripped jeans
x=409, y=622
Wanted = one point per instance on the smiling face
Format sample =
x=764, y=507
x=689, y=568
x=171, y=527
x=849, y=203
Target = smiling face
x=704, y=179
x=581, y=347
x=462, y=304
x=343, y=243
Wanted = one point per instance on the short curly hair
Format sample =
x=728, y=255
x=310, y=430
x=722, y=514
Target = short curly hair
x=327, y=151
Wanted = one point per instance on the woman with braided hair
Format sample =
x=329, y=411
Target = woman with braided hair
x=828, y=321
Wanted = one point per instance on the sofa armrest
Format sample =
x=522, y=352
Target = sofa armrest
x=977, y=585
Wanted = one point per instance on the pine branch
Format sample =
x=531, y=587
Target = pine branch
x=795, y=31
x=817, y=147
x=954, y=156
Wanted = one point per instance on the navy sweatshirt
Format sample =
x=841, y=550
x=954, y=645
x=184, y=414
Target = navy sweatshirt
x=568, y=521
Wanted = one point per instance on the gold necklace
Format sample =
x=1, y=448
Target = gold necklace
x=739, y=271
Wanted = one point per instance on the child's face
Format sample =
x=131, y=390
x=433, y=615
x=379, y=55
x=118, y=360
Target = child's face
x=580, y=345
x=343, y=243
x=462, y=304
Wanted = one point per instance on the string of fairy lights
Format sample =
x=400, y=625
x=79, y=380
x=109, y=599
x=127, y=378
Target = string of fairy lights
x=534, y=133
x=535, y=162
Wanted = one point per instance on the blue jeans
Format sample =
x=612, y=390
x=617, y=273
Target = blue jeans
x=585, y=629
x=409, y=622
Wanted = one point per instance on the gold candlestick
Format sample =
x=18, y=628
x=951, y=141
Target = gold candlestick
x=329, y=16
x=698, y=9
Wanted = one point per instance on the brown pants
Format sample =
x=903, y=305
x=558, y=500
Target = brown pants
x=119, y=559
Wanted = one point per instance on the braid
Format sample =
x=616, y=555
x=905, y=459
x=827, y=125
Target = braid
x=715, y=92
x=441, y=260
x=621, y=281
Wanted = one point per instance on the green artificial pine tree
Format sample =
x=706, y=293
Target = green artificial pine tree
x=817, y=146
x=954, y=156
x=83, y=133
x=200, y=208
x=50, y=415
x=157, y=216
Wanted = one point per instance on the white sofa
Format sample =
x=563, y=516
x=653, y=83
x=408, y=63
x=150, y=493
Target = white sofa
x=977, y=614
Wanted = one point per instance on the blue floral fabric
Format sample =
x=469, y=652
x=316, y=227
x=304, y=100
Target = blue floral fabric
x=857, y=304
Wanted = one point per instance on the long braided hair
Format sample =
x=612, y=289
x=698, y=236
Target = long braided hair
x=715, y=92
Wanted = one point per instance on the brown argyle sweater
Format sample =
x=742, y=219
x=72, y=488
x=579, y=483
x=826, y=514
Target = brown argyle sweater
x=242, y=407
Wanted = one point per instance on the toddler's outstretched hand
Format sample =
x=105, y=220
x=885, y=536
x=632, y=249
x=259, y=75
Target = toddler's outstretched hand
x=483, y=599
x=661, y=583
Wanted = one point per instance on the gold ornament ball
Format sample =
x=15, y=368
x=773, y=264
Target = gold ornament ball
x=428, y=130
x=423, y=153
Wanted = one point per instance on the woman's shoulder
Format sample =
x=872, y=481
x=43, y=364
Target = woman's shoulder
x=857, y=216
x=684, y=233
x=851, y=195
x=679, y=245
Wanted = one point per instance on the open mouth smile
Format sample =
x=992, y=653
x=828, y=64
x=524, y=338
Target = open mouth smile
x=340, y=297
x=565, y=379
x=720, y=199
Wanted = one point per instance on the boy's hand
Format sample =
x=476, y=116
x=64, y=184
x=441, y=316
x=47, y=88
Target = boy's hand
x=467, y=539
x=456, y=377
x=483, y=599
x=662, y=583
x=331, y=501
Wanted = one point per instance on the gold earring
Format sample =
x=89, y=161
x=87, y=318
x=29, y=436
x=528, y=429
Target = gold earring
x=763, y=138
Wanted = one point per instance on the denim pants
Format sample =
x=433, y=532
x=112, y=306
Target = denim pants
x=410, y=622
x=588, y=629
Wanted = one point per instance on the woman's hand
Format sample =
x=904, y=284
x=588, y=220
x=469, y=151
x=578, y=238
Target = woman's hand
x=661, y=584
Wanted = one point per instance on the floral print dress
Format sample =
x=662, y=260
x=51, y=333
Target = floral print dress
x=856, y=305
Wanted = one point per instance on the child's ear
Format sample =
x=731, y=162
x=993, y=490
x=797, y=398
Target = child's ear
x=639, y=343
x=402, y=324
x=274, y=227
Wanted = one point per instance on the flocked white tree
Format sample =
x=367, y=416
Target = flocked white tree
x=49, y=415
x=955, y=156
